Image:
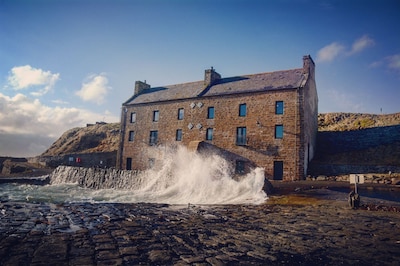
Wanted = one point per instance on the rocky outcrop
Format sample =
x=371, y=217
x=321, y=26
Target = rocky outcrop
x=354, y=121
x=100, y=137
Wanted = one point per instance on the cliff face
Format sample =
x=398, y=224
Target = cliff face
x=91, y=139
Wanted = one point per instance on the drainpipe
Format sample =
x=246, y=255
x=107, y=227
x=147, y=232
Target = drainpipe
x=121, y=135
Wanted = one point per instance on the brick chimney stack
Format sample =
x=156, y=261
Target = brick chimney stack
x=140, y=86
x=308, y=65
x=210, y=77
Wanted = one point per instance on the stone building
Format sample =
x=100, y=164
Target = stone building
x=268, y=120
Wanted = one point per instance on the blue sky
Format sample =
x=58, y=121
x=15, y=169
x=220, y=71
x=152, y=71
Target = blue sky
x=67, y=63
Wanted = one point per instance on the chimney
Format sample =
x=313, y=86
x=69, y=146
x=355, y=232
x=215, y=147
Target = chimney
x=210, y=77
x=308, y=65
x=140, y=86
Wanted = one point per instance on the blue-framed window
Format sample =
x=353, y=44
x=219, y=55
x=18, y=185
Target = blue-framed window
x=210, y=112
x=242, y=109
x=209, y=133
x=279, y=131
x=279, y=107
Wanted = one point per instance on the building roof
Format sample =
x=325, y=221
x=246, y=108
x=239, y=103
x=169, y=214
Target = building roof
x=285, y=79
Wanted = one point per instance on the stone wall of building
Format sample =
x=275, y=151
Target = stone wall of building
x=262, y=147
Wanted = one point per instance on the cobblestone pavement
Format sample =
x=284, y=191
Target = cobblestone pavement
x=308, y=232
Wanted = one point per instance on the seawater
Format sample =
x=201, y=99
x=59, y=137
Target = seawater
x=183, y=177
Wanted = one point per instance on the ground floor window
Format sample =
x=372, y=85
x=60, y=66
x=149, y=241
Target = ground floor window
x=151, y=162
x=278, y=170
x=178, y=134
x=241, y=136
x=239, y=168
x=209, y=134
x=128, y=163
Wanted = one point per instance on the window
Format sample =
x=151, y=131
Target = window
x=239, y=169
x=156, y=116
x=279, y=131
x=131, y=135
x=128, y=163
x=210, y=112
x=279, y=107
x=133, y=117
x=209, y=133
x=181, y=113
x=179, y=134
x=153, y=137
x=241, y=136
x=242, y=109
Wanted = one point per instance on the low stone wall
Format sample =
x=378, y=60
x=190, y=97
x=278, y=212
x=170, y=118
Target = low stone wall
x=331, y=142
x=344, y=169
x=95, y=159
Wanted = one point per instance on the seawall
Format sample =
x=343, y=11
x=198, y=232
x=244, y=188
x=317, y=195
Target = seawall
x=371, y=150
x=96, y=178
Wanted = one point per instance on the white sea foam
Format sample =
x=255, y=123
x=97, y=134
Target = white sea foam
x=182, y=177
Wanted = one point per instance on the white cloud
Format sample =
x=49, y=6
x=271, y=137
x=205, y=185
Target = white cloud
x=59, y=102
x=394, y=62
x=95, y=89
x=24, y=77
x=361, y=44
x=23, y=115
x=330, y=52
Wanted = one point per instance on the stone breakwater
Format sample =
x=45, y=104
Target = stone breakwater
x=97, y=178
x=319, y=232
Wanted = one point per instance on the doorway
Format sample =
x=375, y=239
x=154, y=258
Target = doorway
x=128, y=163
x=278, y=170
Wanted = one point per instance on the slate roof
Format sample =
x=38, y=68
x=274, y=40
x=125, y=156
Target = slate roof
x=285, y=79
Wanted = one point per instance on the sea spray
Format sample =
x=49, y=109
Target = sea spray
x=180, y=177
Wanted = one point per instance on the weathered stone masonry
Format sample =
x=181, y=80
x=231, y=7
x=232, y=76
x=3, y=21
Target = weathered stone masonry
x=260, y=93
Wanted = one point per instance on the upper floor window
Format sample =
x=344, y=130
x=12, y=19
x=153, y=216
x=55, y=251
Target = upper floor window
x=156, y=116
x=181, y=113
x=210, y=112
x=279, y=108
x=131, y=135
x=241, y=136
x=242, y=109
x=153, y=137
x=133, y=117
x=178, y=135
x=279, y=131
x=209, y=133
